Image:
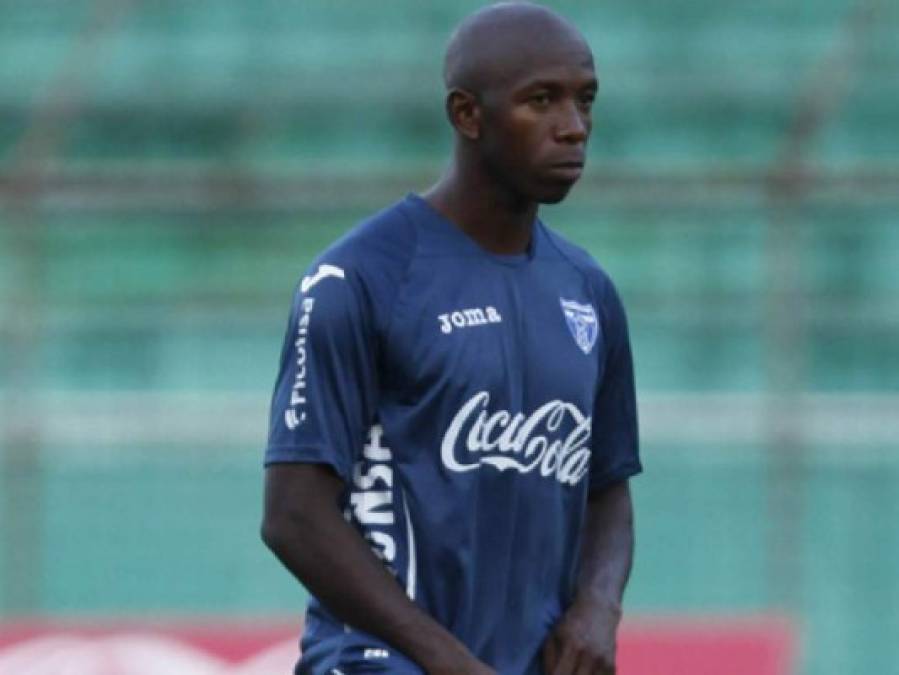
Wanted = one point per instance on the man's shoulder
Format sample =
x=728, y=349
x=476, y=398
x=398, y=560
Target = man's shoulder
x=578, y=257
x=375, y=244
x=371, y=259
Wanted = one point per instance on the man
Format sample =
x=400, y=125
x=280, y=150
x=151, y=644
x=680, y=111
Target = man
x=453, y=424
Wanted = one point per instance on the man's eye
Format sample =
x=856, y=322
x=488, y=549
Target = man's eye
x=587, y=99
x=540, y=99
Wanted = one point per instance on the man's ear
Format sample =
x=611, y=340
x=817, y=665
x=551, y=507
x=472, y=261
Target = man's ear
x=464, y=112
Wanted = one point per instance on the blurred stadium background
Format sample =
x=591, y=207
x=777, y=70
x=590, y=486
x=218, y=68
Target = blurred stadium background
x=168, y=169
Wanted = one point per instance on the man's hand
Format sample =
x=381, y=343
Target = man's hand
x=584, y=641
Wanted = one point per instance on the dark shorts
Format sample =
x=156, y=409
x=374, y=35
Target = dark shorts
x=357, y=656
x=374, y=660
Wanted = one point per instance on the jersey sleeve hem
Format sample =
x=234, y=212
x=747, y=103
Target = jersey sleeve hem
x=616, y=475
x=305, y=454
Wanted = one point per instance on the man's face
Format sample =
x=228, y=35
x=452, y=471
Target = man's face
x=535, y=128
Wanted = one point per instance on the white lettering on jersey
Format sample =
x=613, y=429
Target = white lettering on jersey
x=520, y=442
x=465, y=318
x=294, y=415
x=371, y=499
x=323, y=272
x=368, y=507
x=375, y=653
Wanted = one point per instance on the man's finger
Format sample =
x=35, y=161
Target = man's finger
x=550, y=654
x=587, y=666
x=567, y=661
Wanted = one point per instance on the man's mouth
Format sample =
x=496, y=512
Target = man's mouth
x=570, y=170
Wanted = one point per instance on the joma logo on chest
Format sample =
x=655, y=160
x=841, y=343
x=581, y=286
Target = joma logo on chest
x=466, y=318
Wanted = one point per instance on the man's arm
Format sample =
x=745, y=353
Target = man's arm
x=584, y=641
x=304, y=528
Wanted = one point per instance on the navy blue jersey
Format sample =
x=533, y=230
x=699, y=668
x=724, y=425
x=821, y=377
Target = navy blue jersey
x=470, y=401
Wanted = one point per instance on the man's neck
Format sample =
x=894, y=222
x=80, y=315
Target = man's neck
x=498, y=221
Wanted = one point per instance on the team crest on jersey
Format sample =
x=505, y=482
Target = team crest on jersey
x=582, y=323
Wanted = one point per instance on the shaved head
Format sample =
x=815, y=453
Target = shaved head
x=500, y=43
x=520, y=90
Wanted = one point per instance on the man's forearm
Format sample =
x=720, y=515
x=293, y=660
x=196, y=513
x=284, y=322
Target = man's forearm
x=331, y=559
x=607, y=550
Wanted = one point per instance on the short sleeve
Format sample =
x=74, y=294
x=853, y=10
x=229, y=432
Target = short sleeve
x=325, y=395
x=615, y=437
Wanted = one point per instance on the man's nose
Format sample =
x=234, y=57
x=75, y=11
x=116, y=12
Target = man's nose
x=572, y=126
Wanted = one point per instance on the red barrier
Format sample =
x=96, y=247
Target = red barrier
x=671, y=646
x=680, y=646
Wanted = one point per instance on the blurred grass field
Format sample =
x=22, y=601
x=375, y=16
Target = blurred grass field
x=167, y=171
